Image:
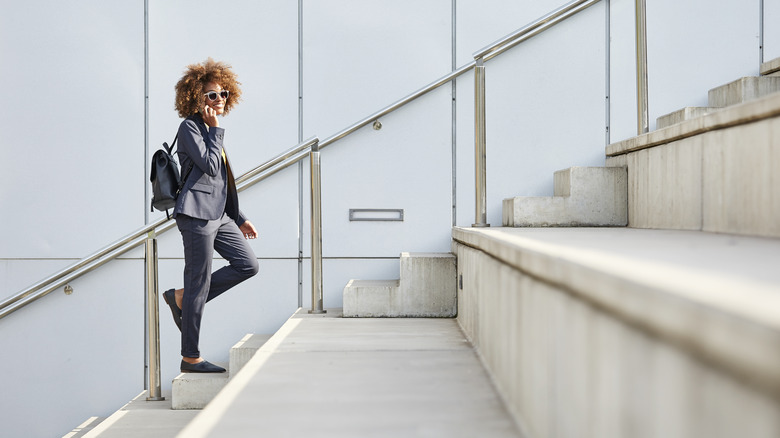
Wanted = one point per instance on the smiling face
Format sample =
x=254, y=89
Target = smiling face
x=213, y=89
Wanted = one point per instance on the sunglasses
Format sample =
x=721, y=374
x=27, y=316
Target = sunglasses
x=212, y=95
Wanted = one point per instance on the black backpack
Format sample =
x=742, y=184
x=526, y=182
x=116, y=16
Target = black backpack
x=164, y=176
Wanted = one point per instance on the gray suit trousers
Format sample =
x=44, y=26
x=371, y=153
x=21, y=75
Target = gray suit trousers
x=201, y=238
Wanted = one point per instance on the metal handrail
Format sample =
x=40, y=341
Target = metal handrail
x=398, y=104
x=138, y=237
x=290, y=157
x=642, y=113
x=537, y=26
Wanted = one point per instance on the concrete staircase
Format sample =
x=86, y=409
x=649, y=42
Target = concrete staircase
x=195, y=391
x=716, y=172
x=740, y=91
x=583, y=197
x=667, y=327
x=610, y=197
x=426, y=288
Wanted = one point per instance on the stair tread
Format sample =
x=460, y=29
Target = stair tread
x=202, y=376
x=427, y=254
x=252, y=341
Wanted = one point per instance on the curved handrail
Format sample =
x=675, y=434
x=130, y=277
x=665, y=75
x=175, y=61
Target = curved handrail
x=138, y=237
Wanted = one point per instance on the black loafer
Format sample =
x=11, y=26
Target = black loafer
x=200, y=367
x=170, y=299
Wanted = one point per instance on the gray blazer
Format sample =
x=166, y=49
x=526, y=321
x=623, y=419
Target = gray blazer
x=210, y=185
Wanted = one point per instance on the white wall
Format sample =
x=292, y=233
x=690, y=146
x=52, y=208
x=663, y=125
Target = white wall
x=72, y=125
x=771, y=31
x=73, y=136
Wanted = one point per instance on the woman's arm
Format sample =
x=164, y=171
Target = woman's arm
x=204, y=152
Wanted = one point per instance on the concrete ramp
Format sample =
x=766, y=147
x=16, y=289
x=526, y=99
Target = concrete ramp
x=324, y=375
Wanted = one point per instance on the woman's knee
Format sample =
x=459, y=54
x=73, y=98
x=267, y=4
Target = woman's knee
x=251, y=268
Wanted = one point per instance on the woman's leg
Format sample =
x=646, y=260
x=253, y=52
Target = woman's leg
x=231, y=244
x=198, y=237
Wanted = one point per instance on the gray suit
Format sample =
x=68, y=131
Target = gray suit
x=208, y=218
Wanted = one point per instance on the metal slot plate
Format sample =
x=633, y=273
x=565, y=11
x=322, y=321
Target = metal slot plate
x=376, y=214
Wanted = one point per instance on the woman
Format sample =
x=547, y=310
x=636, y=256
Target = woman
x=206, y=210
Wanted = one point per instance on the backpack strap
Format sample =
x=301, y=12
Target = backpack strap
x=184, y=177
x=169, y=149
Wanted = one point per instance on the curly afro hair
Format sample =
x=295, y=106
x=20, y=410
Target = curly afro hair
x=189, y=89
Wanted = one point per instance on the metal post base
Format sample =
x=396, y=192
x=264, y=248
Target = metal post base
x=317, y=312
x=480, y=225
x=155, y=398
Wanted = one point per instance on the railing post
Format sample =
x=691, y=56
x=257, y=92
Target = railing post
x=642, y=114
x=479, y=140
x=153, y=318
x=316, y=230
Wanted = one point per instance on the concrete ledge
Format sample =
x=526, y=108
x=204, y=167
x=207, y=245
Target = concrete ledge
x=728, y=319
x=623, y=332
x=753, y=111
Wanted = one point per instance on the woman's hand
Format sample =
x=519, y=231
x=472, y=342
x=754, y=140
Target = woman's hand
x=248, y=230
x=209, y=116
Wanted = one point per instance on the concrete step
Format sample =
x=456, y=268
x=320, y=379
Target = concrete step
x=743, y=90
x=244, y=350
x=771, y=68
x=426, y=288
x=582, y=196
x=679, y=116
x=195, y=391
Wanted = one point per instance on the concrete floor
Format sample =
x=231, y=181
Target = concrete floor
x=324, y=375
x=139, y=418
